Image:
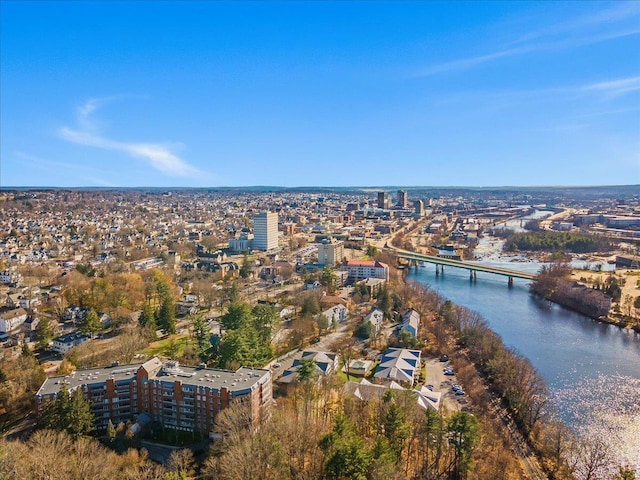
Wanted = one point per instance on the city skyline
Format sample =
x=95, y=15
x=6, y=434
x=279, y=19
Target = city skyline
x=310, y=94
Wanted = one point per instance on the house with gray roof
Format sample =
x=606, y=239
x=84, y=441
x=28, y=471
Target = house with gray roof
x=410, y=323
x=325, y=363
x=398, y=365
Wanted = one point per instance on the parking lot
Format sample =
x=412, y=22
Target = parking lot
x=442, y=383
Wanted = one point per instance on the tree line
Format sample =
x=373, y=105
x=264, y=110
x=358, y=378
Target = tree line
x=551, y=241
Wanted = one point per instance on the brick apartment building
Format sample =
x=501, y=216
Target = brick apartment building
x=179, y=397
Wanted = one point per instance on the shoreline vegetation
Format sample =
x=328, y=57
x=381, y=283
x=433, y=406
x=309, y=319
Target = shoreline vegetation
x=505, y=380
x=601, y=301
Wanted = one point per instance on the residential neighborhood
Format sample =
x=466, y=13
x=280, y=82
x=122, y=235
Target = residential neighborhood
x=167, y=311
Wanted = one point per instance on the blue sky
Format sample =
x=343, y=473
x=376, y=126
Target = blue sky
x=319, y=93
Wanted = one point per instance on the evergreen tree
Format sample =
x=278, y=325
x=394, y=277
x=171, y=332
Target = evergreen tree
x=311, y=305
x=80, y=420
x=167, y=316
x=111, y=432
x=384, y=301
x=328, y=278
x=90, y=323
x=44, y=332
x=202, y=334
x=245, y=269
x=395, y=428
x=147, y=317
x=307, y=370
x=347, y=455
x=70, y=412
x=265, y=318
x=238, y=315
x=463, y=430
x=364, y=330
x=56, y=411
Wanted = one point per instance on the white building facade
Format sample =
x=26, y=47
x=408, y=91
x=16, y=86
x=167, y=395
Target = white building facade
x=265, y=231
x=330, y=252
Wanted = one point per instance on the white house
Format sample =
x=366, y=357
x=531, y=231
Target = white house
x=375, y=318
x=10, y=276
x=12, y=319
x=410, y=322
x=399, y=365
x=325, y=363
x=66, y=342
x=337, y=313
x=365, y=390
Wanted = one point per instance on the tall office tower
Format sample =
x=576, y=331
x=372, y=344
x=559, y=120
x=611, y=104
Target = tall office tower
x=265, y=231
x=383, y=200
x=402, y=199
x=419, y=208
x=330, y=252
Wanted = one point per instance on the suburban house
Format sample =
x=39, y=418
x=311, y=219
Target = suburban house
x=410, y=322
x=358, y=367
x=376, y=319
x=12, y=319
x=337, y=313
x=367, y=391
x=325, y=363
x=399, y=365
x=66, y=342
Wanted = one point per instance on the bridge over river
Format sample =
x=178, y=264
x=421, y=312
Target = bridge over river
x=472, y=267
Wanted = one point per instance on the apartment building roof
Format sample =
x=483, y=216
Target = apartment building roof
x=169, y=371
x=366, y=263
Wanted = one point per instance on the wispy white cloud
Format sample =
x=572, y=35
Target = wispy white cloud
x=466, y=63
x=161, y=157
x=575, y=33
x=615, y=87
x=618, y=13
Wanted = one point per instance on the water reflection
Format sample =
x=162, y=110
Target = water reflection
x=612, y=405
x=592, y=369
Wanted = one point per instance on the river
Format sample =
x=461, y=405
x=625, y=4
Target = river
x=592, y=369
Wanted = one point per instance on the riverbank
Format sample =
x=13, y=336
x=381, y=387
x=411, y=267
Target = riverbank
x=623, y=313
x=572, y=352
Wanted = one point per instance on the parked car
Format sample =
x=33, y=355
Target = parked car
x=444, y=358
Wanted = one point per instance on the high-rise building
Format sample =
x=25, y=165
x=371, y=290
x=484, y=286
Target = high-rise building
x=383, y=200
x=419, y=208
x=330, y=252
x=402, y=199
x=265, y=231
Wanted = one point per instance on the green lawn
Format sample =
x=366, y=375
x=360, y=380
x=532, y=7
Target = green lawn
x=172, y=347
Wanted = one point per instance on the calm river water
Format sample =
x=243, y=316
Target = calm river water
x=591, y=369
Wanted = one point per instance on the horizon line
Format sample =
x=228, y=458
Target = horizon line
x=165, y=187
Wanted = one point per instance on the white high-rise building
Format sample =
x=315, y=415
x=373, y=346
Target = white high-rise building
x=330, y=252
x=265, y=231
